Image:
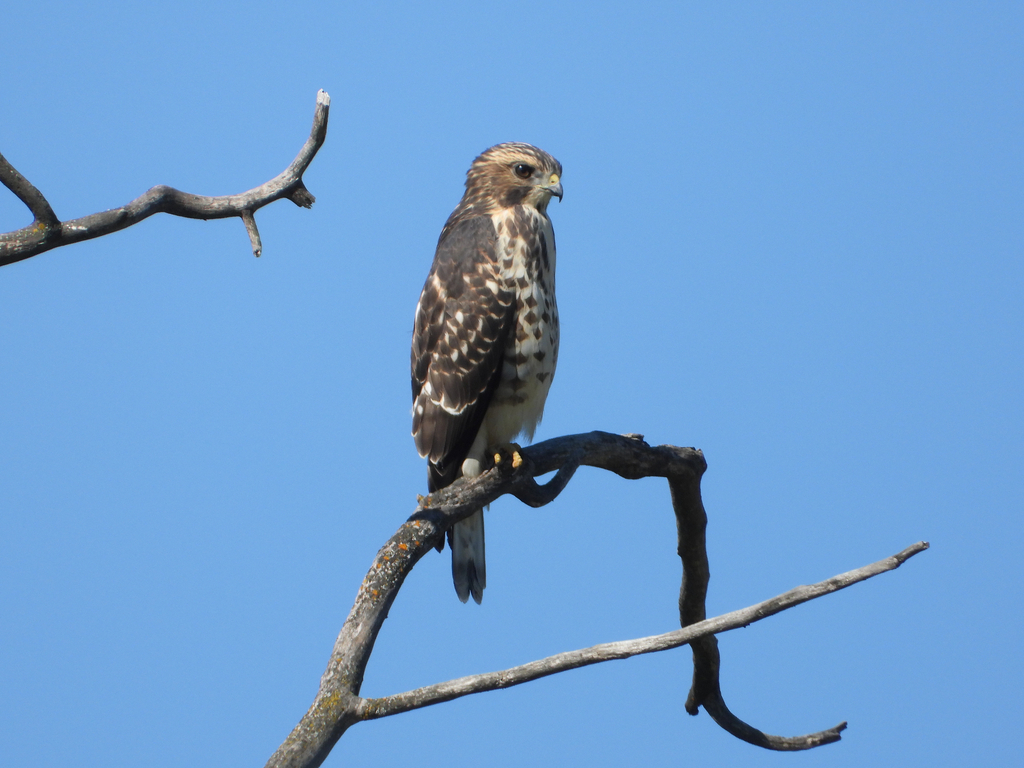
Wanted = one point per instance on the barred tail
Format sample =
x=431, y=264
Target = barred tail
x=469, y=567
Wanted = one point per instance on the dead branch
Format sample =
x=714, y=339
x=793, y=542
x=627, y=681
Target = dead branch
x=371, y=709
x=338, y=704
x=47, y=231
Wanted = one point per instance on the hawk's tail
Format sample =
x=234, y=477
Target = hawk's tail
x=469, y=567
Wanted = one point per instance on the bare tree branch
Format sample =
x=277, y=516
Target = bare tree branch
x=254, y=234
x=47, y=231
x=371, y=709
x=41, y=211
x=338, y=705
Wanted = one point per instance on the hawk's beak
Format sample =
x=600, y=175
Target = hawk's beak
x=555, y=187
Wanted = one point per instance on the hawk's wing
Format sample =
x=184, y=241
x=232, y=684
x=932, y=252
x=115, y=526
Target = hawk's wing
x=463, y=320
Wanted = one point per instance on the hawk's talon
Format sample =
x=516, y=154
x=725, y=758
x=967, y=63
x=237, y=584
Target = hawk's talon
x=513, y=450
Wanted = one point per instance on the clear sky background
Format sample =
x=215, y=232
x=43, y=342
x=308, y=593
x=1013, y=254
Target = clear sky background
x=792, y=236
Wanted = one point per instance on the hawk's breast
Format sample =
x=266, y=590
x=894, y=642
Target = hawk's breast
x=525, y=252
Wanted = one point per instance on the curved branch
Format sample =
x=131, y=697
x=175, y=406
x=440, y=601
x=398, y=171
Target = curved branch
x=338, y=706
x=372, y=709
x=706, y=658
x=42, y=213
x=691, y=525
x=47, y=231
x=535, y=495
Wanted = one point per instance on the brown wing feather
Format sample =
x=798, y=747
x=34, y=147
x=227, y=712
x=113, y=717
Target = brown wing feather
x=463, y=320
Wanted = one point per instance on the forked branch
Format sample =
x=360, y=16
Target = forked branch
x=47, y=231
x=338, y=705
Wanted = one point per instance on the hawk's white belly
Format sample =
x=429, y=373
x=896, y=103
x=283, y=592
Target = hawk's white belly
x=532, y=349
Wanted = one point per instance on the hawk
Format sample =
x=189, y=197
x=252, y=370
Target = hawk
x=485, y=340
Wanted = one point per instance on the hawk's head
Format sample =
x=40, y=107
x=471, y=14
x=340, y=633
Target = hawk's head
x=513, y=174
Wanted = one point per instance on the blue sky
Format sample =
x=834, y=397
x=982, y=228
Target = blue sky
x=791, y=236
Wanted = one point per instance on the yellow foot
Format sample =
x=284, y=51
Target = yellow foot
x=509, y=448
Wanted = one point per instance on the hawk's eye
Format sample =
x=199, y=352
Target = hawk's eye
x=522, y=170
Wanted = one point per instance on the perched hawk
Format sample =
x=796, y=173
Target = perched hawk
x=485, y=342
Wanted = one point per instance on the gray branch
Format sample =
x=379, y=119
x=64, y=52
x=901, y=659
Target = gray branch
x=370, y=709
x=47, y=231
x=338, y=704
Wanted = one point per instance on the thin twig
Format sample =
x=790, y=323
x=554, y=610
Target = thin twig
x=254, y=234
x=47, y=231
